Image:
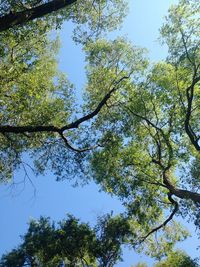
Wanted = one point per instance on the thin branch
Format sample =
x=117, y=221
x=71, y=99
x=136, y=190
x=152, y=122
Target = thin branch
x=89, y=116
x=179, y=92
x=74, y=148
x=158, y=129
x=175, y=203
x=186, y=49
x=190, y=94
x=153, y=183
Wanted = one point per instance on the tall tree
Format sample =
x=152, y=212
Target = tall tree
x=70, y=243
x=152, y=123
x=177, y=258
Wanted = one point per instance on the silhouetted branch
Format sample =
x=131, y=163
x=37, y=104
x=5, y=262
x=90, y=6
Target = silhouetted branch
x=19, y=18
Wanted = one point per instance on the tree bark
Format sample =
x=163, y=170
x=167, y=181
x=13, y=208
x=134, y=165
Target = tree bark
x=19, y=18
x=186, y=194
x=180, y=193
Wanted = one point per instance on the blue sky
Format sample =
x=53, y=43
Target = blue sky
x=55, y=199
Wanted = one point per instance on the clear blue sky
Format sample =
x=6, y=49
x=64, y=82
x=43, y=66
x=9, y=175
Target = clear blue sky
x=55, y=199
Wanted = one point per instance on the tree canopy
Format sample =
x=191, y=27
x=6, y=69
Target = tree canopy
x=70, y=243
x=91, y=17
x=34, y=92
x=137, y=132
x=176, y=258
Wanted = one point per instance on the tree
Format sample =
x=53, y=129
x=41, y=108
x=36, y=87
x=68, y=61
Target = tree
x=138, y=135
x=152, y=125
x=176, y=258
x=70, y=243
x=28, y=97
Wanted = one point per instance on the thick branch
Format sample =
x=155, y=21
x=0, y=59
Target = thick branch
x=22, y=17
x=180, y=193
x=28, y=129
x=73, y=125
x=185, y=194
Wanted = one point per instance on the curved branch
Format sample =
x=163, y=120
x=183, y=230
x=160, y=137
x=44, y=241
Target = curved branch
x=89, y=116
x=175, y=203
x=50, y=128
x=74, y=148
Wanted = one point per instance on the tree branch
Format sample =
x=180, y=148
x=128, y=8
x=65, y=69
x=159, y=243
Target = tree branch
x=158, y=129
x=74, y=148
x=50, y=128
x=19, y=18
x=89, y=116
x=175, y=203
x=190, y=94
x=180, y=193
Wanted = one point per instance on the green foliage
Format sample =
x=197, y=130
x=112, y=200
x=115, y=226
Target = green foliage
x=177, y=259
x=28, y=97
x=145, y=144
x=33, y=90
x=70, y=243
x=181, y=33
x=138, y=136
x=91, y=18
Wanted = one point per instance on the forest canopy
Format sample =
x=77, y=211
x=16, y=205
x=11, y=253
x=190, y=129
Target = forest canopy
x=72, y=243
x=137, y=132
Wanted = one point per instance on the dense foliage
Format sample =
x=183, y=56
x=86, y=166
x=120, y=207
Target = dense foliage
x=70, y=243
x=177, y=258
x=91, y=17
x=152, y=124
